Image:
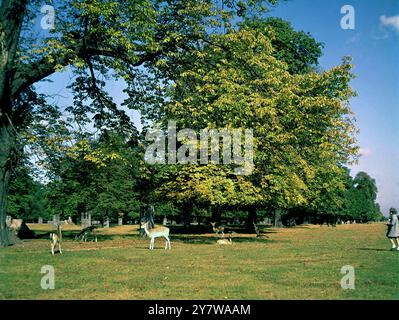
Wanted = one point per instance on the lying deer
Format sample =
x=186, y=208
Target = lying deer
x=156, y=233
x=56, y=238
x=225, y=241
x=259, y=232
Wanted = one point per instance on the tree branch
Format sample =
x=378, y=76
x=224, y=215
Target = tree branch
x=28, y=74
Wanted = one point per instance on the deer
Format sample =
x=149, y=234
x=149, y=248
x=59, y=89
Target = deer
x=218, y=230
x=83, y=235
x=156, y=233
x=259, y=233
x=13, y=224
x=225, y=241
x=56, y=238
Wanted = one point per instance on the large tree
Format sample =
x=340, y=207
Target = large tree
x=302, y=123
x=95, y=38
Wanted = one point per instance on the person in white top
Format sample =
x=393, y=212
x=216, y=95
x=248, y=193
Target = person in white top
x=393, y=229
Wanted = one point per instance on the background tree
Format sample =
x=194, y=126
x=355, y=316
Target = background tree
x=27, y=197
x=361, y=198
x=98, y=176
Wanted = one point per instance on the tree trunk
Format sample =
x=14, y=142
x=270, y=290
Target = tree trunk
x=187, y=213
x=277, y=218
x=251, y=219
x=216, y=214
x=6, y=148
x=12, y=13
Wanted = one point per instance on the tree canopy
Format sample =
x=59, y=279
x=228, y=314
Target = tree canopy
x=96, y=40
x=303, y=127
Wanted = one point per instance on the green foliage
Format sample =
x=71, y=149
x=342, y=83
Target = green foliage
x=302, y=123
x=205, y=185
x=103, y=40
x=201, y=212
x=360, y=199
x=299, y=50
x=166, y=209
x=26, y=198
x=98, y=176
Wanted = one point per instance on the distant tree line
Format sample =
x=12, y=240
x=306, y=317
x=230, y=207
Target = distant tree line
x=116, y=192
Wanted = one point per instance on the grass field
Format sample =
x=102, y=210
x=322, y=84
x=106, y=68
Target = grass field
x=293, y=263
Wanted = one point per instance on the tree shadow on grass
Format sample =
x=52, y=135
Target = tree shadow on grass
x=191, y=235
x=373, y=249
x=193, y=239
x=160, y=247
x=206, y=229
x=299, y=227
x=71, y=235
x=213, y=240
x=46, y=234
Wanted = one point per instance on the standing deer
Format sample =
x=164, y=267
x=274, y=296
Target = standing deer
x=218, y=230
x=156, y=233
x=56, y=238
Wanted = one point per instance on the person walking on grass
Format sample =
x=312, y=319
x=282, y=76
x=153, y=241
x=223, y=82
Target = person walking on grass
x=393, y=229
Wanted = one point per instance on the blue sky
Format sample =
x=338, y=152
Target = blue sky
x=374, y=46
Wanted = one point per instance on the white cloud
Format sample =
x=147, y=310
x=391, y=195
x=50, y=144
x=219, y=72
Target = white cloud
x=365, y=152
x=390, y=21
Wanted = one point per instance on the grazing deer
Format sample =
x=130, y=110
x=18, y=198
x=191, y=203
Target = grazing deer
x=259, y=233
x=218, y=230
x=83, y=235
x=56, y=238
x=225, y=241
x=156, y=233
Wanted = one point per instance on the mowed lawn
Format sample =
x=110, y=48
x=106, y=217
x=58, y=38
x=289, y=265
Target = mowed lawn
x=293, y=263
